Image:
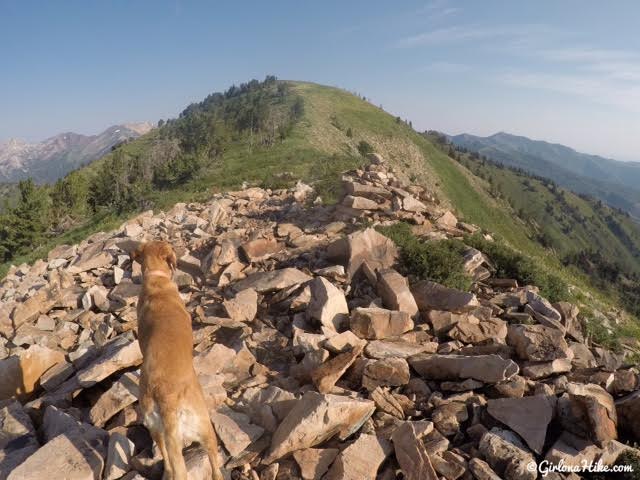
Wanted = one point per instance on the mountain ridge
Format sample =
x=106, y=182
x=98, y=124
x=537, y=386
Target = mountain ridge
x=613, y=181
x=52, y=158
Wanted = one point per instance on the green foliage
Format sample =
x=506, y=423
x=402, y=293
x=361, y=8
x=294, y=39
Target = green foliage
x=599, y=333
x=297, y=109
x=512, y=264
x=69, y=196
x=364, y=148
x=24, y=226
x=120, y=184
x=437, y=260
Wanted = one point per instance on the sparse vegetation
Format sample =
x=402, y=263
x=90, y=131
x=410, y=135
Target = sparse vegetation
x=599, y=333
x=364, y=148
x=512, y=264
x=437, y=260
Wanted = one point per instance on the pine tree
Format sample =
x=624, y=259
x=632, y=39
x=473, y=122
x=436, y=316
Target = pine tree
x=24, y=226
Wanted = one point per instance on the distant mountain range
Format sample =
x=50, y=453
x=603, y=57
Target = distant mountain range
x=54, y=157
x=614, y=182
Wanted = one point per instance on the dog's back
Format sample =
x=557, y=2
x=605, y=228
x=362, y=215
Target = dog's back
x=171, y=399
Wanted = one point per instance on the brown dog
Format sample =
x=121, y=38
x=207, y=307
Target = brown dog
x=171, y=400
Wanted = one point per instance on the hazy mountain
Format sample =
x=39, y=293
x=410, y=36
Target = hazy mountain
x=54, y=157
x=614, y=182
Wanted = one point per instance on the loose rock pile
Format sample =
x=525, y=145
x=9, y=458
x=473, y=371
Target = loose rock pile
x=319, y=359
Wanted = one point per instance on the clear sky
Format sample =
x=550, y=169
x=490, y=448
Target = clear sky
x=564, y=71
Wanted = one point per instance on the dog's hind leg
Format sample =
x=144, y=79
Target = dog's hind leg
x=206, y=434
x=153, y=422
x=173, y=444
x=210, y=444
x=158, y=437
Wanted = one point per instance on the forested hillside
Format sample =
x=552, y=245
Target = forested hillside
x=601, y=241
x=146, y=173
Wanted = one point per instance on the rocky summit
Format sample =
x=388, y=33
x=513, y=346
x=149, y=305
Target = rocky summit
x=319, y=355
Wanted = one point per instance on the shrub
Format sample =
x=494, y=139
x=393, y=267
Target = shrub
x=600, y=334
x=364, y=148
x=512, y=264
x=438, y=260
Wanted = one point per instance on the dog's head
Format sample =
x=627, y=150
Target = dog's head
x=155, y=255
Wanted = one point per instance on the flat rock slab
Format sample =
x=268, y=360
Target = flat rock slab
x=18, y=438
x=433, y=296
x=485, y=368
x=316, y=418
x=20, y=373
x=478, y=331
x=263, y=282
x=326, y=375
x=243, y=307
x=538, y=343
x=378, y=323
x=41, y=302
x=597, y=410
x=393, y=288
x=504, y=452
x=380, y=349
x=235, y=430
x=119, y=453
x=412, y=454
x=392, y=372
x=78, y=458
x=260, y=249
x=314, y=462
x=120, y=395
x=354, y=464
x=56, y=422
x=116, y=356
x=529, y=417
x=365, y=246
x=628, y=410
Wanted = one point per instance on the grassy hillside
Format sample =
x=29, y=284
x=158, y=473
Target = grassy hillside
x=590, y=238
x=253, y=136
x=614, y=182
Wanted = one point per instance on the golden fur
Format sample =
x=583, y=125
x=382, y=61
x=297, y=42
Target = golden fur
x=171, y=399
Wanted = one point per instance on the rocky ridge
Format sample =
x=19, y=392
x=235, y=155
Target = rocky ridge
x=312, y=348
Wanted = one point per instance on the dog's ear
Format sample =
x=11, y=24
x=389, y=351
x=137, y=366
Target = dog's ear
x=170, y=257
x=136, y=253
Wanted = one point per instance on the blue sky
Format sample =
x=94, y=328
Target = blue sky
x=564, y=71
